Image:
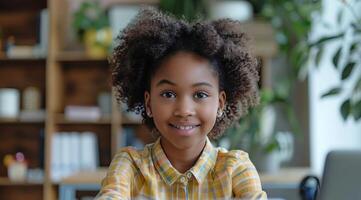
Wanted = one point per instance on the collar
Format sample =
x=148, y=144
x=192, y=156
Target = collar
x=169, y=174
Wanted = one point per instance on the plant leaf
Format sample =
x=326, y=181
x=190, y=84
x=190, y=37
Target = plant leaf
x=357, y=87
x=324, y=39
x=345, y=109
x=353, y=47
x=271, y=146
x=339, y=16
x=319, y=55
x=336, y=57
x=356, y=110
x=347, y=70
x=332, y=92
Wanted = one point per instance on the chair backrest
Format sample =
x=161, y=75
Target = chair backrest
x=341, y=178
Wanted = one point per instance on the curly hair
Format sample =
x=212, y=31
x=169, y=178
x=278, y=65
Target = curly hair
x=153, y=36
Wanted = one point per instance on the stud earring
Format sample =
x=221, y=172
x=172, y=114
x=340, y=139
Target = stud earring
x=149, y=113
x=219, y=113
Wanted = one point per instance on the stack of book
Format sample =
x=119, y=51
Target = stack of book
x=73, y=152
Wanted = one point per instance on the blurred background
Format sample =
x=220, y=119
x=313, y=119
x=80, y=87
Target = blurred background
x=60, y=124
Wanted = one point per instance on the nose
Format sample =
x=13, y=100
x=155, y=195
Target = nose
x=184, y=107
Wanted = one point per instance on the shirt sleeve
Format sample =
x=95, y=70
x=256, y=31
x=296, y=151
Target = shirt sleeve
x=246, y=183
x=120, y=178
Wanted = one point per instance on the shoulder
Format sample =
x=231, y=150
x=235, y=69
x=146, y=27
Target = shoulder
x=131, y=157
x=232, y=157
x=233, y=161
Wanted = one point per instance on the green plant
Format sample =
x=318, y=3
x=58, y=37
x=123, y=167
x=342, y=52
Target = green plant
x=90, y=15
x=291, y=20
x=248, y=132
x=187, y=9
x=350, y=66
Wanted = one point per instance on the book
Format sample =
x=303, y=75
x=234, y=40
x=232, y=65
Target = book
x=82, y=113
x=73, y=152
x=89, y=151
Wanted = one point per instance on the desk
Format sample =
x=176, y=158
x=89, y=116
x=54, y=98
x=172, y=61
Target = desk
x=84, y=181
x=284, y=184
x=287, y=178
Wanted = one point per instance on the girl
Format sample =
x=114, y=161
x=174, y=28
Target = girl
x=189, y=82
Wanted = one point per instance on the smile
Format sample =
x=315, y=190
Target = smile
x=188, y=127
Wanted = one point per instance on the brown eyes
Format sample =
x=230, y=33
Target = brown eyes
x=200, y=95
x=168, y=94
x=197, y=95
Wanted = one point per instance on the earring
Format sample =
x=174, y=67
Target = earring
x=149, y=113
x=219, y=113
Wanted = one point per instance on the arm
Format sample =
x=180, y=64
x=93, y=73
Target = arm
x=118, y=183
x=246, y=183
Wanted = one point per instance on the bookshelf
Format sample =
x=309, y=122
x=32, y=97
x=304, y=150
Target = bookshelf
x=20, y=19
x=67, y=76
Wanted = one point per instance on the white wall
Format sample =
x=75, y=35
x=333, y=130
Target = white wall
x=328, y=131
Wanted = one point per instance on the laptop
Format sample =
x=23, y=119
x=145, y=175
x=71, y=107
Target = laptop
x=341, y=178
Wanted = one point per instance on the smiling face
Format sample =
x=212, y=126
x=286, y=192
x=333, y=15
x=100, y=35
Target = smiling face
x=183, y=100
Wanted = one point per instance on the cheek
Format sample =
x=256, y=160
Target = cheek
x=209, y=113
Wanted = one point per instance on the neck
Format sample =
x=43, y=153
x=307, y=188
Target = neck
x=182, y=159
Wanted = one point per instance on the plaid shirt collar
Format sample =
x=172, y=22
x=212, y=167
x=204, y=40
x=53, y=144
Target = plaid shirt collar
x=169, y=174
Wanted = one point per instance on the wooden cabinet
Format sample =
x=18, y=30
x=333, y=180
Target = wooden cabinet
x=19, y=19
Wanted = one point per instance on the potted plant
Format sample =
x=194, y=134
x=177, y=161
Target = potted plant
x=91, y=24
x=257, y=133
x=263, y=141
x=349, y=48
x=186, y=9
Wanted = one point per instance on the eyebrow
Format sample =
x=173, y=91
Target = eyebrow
x=165, y=81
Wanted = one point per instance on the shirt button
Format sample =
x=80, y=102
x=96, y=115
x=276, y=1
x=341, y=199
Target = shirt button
x=184, y=180
x=189, y=175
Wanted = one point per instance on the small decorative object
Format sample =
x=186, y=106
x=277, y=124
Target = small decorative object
x=35, y=175
x=17, y=167
x=9, y=103
x=237, y=10
x=31, y=99
x=91, y=24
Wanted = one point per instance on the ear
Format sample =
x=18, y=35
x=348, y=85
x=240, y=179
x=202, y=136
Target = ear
x=222, y=100
x=147, y=103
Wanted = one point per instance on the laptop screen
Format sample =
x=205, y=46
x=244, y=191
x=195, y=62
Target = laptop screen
x=342, y=176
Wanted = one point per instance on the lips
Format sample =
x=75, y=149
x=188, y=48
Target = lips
x=184, y=129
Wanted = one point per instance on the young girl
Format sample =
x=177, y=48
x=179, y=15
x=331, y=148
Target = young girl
x=189, y=82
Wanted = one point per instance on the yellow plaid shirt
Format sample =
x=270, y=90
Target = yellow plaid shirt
x=148, y=174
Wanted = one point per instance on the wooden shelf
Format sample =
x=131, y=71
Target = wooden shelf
x=77, y=56
x=24, y=59
x=18, y=121
x=4, y=181
x=61, y=120
x=106, y=120
x=16, y=5
x=285, y=176
x=86, y=177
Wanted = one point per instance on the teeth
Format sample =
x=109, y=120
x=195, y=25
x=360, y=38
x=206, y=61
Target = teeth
x=184, y=127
